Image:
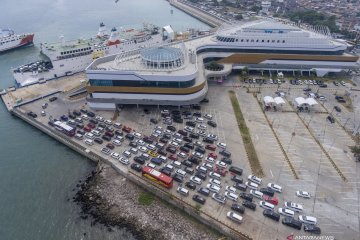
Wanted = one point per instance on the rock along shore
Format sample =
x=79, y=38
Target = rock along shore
x=109, y=199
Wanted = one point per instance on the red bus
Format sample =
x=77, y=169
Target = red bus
x=63, y=127
x=157, y=177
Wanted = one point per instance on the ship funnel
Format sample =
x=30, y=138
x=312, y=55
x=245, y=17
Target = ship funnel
x=114, y=37
x=102, y=31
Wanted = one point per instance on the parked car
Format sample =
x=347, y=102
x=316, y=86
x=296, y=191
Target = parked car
x=267, y=191
x=219, y=198
x=136, y=167
x=271, y=214
x=199, y=199
x=303, y=194
x=308, y=219
x=291, y=222
x=312, y=229
x=286, y=212
x=275, y=187
x=246, y=196
x=249, y=205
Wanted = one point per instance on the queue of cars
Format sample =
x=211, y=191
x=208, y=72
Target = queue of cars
x=198, y=167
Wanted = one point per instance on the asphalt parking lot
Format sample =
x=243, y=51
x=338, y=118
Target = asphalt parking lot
x=334, y=203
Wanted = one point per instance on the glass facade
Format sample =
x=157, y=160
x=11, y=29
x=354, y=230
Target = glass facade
x=126, y=83
x=234, y=50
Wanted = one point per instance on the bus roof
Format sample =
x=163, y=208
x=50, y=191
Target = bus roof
x=157, y=174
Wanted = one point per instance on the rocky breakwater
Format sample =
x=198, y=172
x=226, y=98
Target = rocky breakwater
x=109, y=199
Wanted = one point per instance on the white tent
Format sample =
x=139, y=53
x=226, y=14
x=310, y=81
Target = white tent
x=268, y=100
x=280, y=75
x=311, y=101
x=300, y=101
x=279, y=100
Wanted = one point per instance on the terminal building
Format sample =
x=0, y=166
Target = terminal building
x=176, y=74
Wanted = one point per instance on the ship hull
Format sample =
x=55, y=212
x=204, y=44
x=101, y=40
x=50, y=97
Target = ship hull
x=27, y=40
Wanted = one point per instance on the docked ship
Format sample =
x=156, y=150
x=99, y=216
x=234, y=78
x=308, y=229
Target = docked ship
x=69, y=57
x=9, y=40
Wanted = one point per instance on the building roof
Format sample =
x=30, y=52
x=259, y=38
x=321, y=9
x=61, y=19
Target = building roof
x=161, y=54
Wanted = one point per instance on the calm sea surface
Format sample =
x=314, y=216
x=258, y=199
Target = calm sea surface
x=37, y=174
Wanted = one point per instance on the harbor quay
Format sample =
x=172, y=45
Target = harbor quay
x=272, y=159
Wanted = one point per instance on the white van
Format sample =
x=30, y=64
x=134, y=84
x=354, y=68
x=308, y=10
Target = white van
x=234, y=217
x=183, y=191
x=181, y=172
x=89, y=142
x=257, y=194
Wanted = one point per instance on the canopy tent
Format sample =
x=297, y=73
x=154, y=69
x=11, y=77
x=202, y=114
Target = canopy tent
x=279, y=100
x=300, y=101
x=268, y=100
x=311, y=101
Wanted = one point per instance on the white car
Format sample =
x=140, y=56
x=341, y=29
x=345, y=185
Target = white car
x=196, y=180
x=127, y=154
x=234, y=217
x=215, y=182
x=85, y=117
x=221, y=145
x=230, y=189
x=120, y=138
x=286, y=212
x=133, y=150
x=158, y=128
x=221, y=164
x=197, y=154
x=99, y=118
x=252, y=185
x=117, y=125
x=202, y=133
x=182, y=155
x=208, y=116
x=199, y=120
x=257, y=194
x=215, y=175
x=116, y=142
x=108, y=122
x=146, y=156
x=266, y=205
x=137, y=135
x=143, y=149
x=124, y=161
x=151, y=147
x=210, y=159
x=178, y=140
x=115, y=155
x=213, y=137
x=308, y=219
x=255, y=179
x=294, y=206
x=174, y=144
x=141, y=142
x=202, y=127
x=275, y=187
x=207, y=166
x=197, y=143
x=303, y=194
x=231, y=196
x=213, y=188
x=89, y=136
x=189, y=129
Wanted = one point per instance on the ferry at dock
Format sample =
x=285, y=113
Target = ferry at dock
x=69, y=57
x=9, y=40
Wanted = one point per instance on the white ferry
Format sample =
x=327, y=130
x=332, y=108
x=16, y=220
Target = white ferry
x=9, y=40
x=70, y=57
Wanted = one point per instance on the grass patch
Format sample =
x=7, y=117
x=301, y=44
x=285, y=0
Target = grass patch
x=146, y=198
x=245, y=134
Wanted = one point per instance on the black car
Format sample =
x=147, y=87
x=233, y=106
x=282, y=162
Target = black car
x=246, y=196
x=83, y=111
x=171, y=149
x=90, y=114
x=337, y=108
x=148, y=140
x=237, y=208
x=200, y=175
x=189, y=145
x=52, y=99
x=139, y=159
x=267, y=191
x=76, y=113
x=166, y=171
x=187, y=163
x=187, y=139
x=82, y=132
x=240, y=186
x=235, y=170
x=341, y=100
x=227, y=160
x=323, y=85
x=194, y=160
x=162, y=151
x=200, y=149
x=32, y=114
x=271, y=214
x=164, y=140
x=136, y=167
x=190, y=185
x=204, y=191
x=154, y=121
x=64, y=118
x=212, y=123
x=196, y=107
x=94, y=121
x=175, y=112
x=312, y=229
x=178, y=120
x=157, y=161
x=190, y=123
x=189, y=170
x=197, y=114
x=80, y=125
x=130, y=136
x=133, y=144
x=291, y=222
x=199, y=199
x=237, y=179
x=208, y=140
x=171, y=128
x=71, y=116
x=182, y=132
x=225, y=153
x=106, y=138
x=102, y=125
x=205, y=100
x=249, y=205
x=184, y=149
x=178, y=178
x=194, y=135
x=119, y=133
x=167, y=136
x=331, y=119
x=98, y=140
